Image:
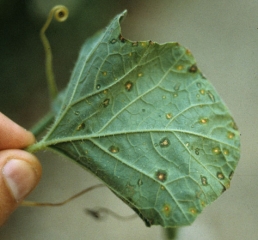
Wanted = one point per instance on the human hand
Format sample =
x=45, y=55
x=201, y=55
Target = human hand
x=20, y=171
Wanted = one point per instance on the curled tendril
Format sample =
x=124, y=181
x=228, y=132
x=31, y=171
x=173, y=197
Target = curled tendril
x=60, y=13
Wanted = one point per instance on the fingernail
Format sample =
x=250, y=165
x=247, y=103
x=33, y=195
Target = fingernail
x=19, y=177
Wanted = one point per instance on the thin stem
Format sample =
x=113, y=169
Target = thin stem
x=40, y=126
x=171, y=233
x=46, y=204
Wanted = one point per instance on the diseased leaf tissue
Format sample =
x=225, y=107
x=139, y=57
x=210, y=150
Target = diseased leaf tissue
x=143, y=118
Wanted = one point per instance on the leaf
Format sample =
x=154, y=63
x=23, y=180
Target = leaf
x=143, y=118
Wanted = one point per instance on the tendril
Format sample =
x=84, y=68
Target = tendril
x=60, y=13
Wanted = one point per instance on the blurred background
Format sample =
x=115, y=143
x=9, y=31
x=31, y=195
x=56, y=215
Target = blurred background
x=223, y=37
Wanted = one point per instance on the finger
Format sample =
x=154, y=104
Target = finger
x=12, y=135
x=20, y=172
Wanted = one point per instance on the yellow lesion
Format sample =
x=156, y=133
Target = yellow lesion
x=168, y=115
x=216, y=150
x=193, y=210
x=220, y=176
x=128, y=86
x=225, y=151
x=231, y=135
x=143, y=44
x=166, y=209
x=180, y=67
x=188, y=52
x=204, y=120
x=202, y=91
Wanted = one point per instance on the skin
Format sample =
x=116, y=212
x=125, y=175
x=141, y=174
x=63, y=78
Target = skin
x=20, y=171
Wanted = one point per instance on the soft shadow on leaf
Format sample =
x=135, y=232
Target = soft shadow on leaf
x=143, y=118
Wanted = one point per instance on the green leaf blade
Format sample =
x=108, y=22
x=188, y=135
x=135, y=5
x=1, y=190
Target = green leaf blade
x=143, y=118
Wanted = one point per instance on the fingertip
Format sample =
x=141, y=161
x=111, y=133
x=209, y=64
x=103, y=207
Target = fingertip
x=12, y=135
x=19, y=175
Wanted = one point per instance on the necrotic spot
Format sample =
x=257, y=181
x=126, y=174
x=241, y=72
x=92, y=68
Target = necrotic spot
x=113, y=149
x=80, y=127
x=164, y=142
x=193, y=69
x=204, y=181
x=128, y=86
x=106, y=102
x=113, y=41
x=220, y=175
x=161, y=175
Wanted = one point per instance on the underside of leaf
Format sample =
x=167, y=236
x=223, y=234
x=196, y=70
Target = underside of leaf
x=143, y=118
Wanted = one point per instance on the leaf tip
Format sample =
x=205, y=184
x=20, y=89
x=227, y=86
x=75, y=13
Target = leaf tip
x=122, y=15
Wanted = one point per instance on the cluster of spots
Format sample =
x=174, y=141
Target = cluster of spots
x=113, y=149
x=220, y=175
x=204, y=181
x=161, y=175
x=216, y=150
x=164, y=142
x=128, y=86
x=105, y=103
x=121, y=39
x=193, y=69
x=80, y=127
x=166, y=209
x=168, y=115
x=197, y=151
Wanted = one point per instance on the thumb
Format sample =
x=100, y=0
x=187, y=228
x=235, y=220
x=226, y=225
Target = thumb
x=20, y=172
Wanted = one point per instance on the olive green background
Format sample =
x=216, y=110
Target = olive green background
x=223, y=37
